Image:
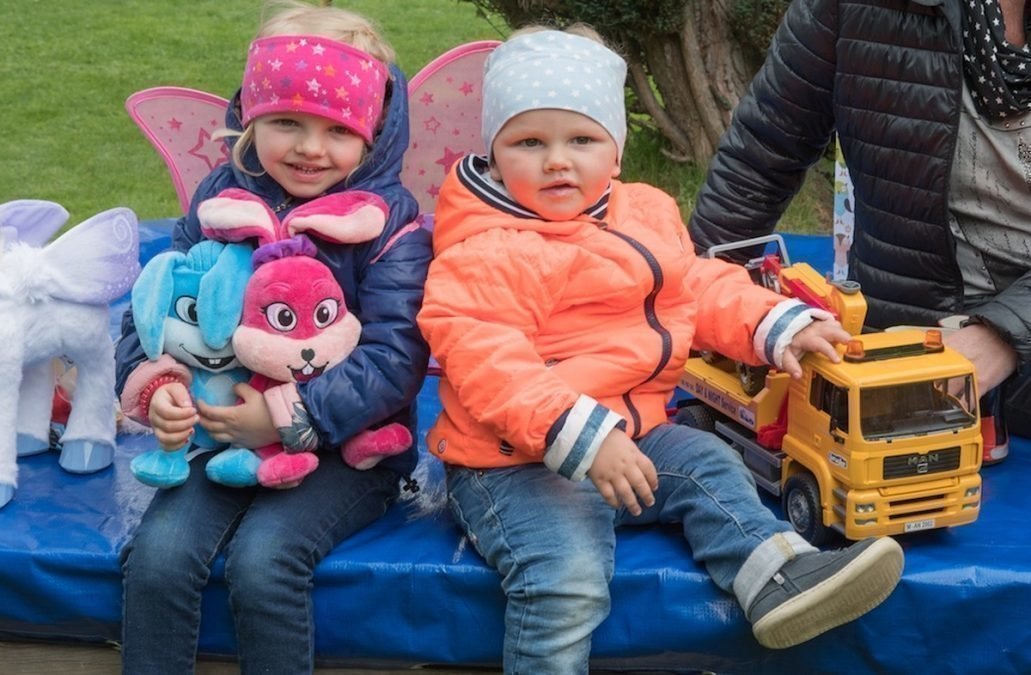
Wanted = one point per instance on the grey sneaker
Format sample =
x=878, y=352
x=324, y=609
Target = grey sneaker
x=815, y=592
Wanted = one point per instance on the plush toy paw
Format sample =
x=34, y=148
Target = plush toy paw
x=235, y=467
x=6, y=494
x=28, y=445
x=369, y=448
x=286, y=470
x=161, y=468
x=82, y=456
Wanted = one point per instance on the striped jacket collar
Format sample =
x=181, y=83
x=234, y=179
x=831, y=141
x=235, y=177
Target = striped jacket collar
x=474, y=173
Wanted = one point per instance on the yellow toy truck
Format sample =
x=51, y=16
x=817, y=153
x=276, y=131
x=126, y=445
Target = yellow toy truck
x=885, y=442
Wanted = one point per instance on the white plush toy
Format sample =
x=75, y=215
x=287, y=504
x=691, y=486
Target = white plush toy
x=54, y=302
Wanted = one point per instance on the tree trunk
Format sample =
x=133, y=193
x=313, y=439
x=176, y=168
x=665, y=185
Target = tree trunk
x=686, y=63
x=699, y=76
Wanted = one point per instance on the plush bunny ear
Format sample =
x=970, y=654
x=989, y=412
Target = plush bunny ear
x=30, y=221
x=151, y=297
x=220, y=300
x=236, y=215
x=343, y=218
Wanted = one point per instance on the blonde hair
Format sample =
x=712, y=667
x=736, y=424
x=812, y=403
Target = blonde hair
x=579, y=28
x=292, y=17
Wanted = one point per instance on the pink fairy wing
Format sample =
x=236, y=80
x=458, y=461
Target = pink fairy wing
x=444, y=118
x=179, y=123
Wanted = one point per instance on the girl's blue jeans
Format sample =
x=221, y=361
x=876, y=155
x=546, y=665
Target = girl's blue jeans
x=272, y=541
x=553, y=540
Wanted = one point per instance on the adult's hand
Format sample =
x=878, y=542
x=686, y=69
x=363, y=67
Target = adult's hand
x=994, y=360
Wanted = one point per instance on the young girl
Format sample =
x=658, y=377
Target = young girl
x=322, y=109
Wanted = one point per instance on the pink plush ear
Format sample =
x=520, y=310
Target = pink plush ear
x=236, y=215
x=344, y=217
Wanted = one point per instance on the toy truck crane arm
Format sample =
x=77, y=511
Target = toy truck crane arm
x=799, y=281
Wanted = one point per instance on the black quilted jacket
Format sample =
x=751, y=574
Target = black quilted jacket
x=886, y=75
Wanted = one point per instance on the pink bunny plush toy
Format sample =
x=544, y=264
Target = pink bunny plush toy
x=295, y=323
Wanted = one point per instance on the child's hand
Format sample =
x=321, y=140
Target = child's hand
x=622, y=474
x=247, y=424
x=819, y=336
x=172, y=415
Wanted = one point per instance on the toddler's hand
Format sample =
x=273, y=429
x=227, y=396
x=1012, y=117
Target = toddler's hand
x=819, y=336
x=622, y=473
x=247, y=424
x=172, y=415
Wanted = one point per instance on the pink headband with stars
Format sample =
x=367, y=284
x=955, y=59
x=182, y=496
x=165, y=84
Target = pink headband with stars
x=317, y=75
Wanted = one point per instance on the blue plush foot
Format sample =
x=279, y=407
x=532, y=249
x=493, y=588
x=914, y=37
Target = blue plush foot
x=161, y=468
x=235, y=467
x=6, y=494
x=81, y=456
x=27, y=445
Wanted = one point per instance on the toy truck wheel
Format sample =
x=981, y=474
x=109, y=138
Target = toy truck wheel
x=753, y=378
x=801, y=503
x=697, y=416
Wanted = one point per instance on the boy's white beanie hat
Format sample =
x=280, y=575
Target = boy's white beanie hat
x=551, y=69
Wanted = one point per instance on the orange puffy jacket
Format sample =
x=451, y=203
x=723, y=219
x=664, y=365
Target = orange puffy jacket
x=544, y=329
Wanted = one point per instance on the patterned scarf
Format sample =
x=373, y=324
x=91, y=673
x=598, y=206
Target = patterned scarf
x=998, y=74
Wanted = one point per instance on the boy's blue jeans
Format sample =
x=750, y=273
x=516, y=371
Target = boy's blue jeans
x=554, y=540
x=272, y=540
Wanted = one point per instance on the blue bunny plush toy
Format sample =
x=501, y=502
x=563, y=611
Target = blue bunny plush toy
x=186, y=307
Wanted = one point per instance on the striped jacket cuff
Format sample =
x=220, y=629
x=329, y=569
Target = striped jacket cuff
x=576, y=443
x=779, y=327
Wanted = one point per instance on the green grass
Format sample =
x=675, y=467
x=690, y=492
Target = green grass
x=68, y=68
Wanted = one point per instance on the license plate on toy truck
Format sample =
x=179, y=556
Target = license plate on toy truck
x=918, y=525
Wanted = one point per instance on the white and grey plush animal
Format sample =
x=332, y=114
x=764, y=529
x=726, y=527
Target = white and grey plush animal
x=54, y=302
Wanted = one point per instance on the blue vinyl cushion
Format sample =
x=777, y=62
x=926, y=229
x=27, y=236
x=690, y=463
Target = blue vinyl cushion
x=404, y=592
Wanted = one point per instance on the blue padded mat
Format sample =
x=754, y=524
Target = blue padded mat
x=406, y=592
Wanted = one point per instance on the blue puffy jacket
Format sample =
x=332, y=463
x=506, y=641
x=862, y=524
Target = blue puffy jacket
x=378, y=383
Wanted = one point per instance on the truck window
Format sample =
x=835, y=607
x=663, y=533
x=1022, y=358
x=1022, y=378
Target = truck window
x=831, y=399
x=923, y=407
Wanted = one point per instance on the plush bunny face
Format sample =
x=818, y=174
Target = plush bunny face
x=187, y=304
x=183, y=338
x=295, y=324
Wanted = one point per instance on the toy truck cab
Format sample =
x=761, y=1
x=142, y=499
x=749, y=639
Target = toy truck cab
x=886, y=442
x=883, y=442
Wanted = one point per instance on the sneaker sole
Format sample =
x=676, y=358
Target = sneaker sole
x=857, y=588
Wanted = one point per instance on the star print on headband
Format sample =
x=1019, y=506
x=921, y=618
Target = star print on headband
x=317, y=75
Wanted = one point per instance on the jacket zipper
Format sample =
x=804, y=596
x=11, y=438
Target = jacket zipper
x=653, y=321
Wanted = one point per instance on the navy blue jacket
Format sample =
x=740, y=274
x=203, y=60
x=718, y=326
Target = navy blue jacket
x=886, y=76
x=378, y=383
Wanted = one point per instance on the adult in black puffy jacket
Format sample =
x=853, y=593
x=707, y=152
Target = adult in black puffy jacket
x=930, y=102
